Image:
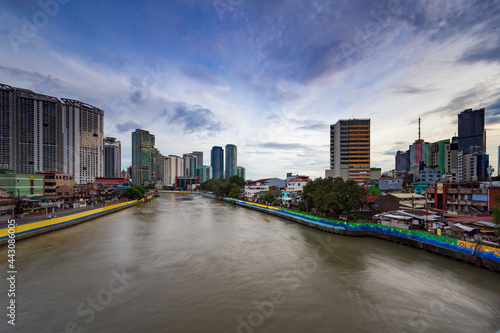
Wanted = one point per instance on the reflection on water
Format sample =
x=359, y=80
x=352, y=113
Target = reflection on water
x=207, y=266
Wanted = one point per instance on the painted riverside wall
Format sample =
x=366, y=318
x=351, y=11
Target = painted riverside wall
x=32, y=229
x=480, y=255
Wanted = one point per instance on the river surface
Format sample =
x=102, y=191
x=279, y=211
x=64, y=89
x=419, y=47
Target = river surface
x=209, y=266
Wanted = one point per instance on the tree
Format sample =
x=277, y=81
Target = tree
x=135, y=193
x=235, y=192
x=496, y=219
x=237, y=180
x=334, y=196
x=269, y=198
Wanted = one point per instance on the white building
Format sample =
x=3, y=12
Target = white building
x=296, y=184
x=83, y=150
x=173, y=167
x=252, y=190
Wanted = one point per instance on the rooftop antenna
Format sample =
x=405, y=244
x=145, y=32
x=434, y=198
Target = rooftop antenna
x=419, y=128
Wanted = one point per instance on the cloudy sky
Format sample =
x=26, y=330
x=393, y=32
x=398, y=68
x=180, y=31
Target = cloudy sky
x=268, y=76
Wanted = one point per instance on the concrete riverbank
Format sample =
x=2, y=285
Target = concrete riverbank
x=33, y=229
x=471, y=253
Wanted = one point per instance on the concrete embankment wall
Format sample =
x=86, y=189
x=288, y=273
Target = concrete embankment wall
x=33, y=229
x=479, y=255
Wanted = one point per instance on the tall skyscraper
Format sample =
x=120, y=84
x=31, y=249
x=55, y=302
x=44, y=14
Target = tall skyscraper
x=30, y=131
x=471, y=129
x=241, y=172
x=83, y=144
x=350, y=149
x=173, y=168
x=159, y=166
x=403, y=161
x=217, y=162
x=190, y=165
x=143, y=157
x=112, y=157
x=204, y=172
x=231, y=161
x=199, y=158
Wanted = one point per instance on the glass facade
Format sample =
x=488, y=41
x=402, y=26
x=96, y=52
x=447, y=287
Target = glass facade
x=217, y=162
x=231, y=160
x=143, y=158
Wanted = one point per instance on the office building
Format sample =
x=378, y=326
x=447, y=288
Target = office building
x=143, y=158
x=199, y=158
x=217, y=162
x=231, y=161
x=30, y=131
x=403, y=161
x=112, y=157
x=472, y=165
x=435, y=156
x=190, y=162
x=204, y=172
x=241, y=172
x=173, y=168
x=83, y=141
x=471, y=129
x=350, y=149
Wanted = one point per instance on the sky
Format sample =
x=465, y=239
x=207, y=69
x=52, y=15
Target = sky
x=267, y=76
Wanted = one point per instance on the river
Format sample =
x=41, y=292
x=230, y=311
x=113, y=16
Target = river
x=208, y=266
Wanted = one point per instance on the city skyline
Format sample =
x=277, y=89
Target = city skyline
x=268, y=77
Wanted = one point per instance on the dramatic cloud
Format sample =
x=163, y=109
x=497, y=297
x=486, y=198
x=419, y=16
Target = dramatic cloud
x=194, y=119
x=128, y=126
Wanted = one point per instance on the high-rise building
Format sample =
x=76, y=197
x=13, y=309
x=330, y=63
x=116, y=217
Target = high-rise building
x=30, y=131
x=435, y=156
x=112, y=157
x=451, y=161
x=240, y=171
x=199, y=158
x=403, y=161
x=204, y=172
x=217, y=162
x=350, y=149
x=471, y=129
x=83, y=144
x=173, y=168
x=143, y=158
x=159, y=163
x=472, y=165
x=190, y=162
x=231, y=160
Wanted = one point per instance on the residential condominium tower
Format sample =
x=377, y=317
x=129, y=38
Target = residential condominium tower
x=30, y=131
x=112, y=157
x=143, y=158
x=350, y=149
x=231, y=161
x=173, y=168
x=217, y=162
x=83, y=141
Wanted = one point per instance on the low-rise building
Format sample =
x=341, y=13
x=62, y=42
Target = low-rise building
x=465, y=198
x=390, y=184
x=19, y=184
x=52, y=180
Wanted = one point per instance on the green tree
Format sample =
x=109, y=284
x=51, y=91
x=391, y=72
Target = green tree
x=269, y=198
x=235, y=192
x=135, y=193
x=334, y=196
x=237, y=180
